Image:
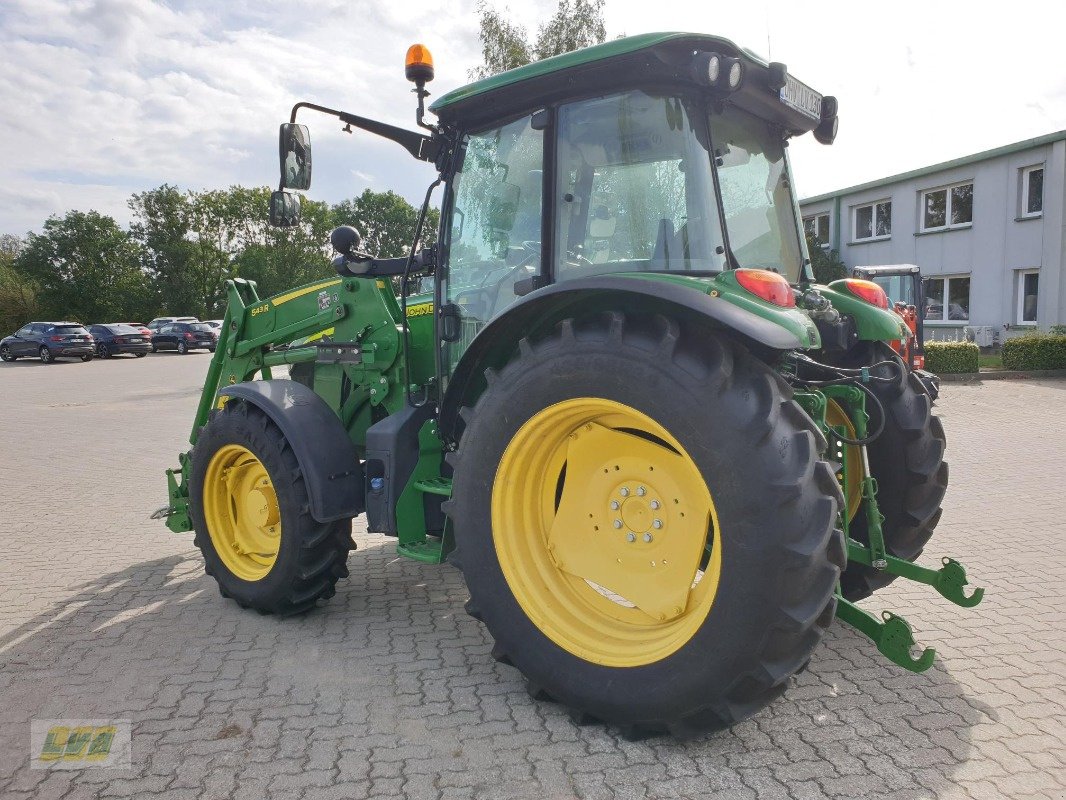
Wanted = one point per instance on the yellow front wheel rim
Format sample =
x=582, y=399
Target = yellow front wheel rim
x=242, y=513
x=606, y=532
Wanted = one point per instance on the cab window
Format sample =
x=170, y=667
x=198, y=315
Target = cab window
x=495, y=232
x=635, y=188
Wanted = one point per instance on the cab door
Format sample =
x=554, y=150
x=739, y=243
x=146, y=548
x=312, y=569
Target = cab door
x=494, y=233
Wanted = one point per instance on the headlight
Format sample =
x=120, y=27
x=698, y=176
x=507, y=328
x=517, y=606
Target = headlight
x=714, y=68
x=736, y=72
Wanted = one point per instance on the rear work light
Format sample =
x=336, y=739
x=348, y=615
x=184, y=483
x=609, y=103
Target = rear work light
x=867, y=291
x=769, y=286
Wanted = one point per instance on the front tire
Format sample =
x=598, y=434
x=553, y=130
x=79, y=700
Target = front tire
x=690, y=610
x=105, y=351
x=250, y=512
x=5, y=354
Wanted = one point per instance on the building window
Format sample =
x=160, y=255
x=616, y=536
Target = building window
x=955, y=290
x=817, y=228
x=1032, y=191
x=1028, y=290
x=950, y=207
x=872, y=221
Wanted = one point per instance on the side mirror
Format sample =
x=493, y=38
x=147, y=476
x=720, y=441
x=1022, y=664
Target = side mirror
x=294, y=151
x=284, y=209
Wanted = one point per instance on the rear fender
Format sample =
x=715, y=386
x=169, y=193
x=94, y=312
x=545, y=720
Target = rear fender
x=538, y=313
x=327, y=457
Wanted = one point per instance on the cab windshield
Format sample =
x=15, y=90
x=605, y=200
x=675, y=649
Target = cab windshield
x=760, y=211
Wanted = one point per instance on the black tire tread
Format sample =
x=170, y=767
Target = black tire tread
x=323, y=550
x=814, y=563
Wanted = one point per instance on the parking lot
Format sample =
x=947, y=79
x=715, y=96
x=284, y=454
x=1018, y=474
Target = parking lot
x=389, y=691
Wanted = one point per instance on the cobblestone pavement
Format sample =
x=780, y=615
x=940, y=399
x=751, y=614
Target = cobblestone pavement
x=389, y=691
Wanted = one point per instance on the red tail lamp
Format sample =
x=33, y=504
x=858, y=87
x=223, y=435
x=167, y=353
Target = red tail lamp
x=769, y=286
x=868, y=291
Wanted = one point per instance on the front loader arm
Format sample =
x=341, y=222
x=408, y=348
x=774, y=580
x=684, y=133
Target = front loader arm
x=357, y=367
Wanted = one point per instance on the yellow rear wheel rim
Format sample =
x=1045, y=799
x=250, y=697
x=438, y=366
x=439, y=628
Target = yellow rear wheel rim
x=242, y=513
x=850, y=456
x=606, y=532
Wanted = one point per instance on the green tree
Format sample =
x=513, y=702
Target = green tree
x=18, y=296
x=86, y=268
x=162, y=224
x=826, y=264
x=504, y=45
x=386, y=222
x=575, y=24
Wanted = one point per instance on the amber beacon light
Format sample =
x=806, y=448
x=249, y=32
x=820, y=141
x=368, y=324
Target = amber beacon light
x=418, y=66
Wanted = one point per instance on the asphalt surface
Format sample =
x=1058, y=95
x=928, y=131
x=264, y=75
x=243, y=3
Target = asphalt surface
x=389, y=691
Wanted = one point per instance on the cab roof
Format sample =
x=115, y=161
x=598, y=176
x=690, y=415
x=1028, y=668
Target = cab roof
x=634, y=61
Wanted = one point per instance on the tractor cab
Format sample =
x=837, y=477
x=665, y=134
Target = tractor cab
x=655, y=154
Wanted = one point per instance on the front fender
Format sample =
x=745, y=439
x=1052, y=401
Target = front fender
x=694, y=299
x=327, y=457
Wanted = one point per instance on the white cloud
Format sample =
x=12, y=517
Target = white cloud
x=106, y=97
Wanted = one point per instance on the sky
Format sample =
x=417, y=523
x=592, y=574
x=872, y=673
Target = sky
x=105, y=98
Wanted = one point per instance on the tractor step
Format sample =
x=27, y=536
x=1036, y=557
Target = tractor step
x=431, y=551
x=441, y=486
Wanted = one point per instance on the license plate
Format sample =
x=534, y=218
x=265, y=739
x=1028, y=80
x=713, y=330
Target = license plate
x=136, y=339
x=802, y=98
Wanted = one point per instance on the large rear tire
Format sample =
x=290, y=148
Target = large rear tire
x=907, y=460
x=645, y=526
x=250, y=512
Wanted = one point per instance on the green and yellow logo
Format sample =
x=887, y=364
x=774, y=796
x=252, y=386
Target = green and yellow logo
x=74, y=744
x=86, y=742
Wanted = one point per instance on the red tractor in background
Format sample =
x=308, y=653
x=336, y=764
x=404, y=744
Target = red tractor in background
x=903, y=285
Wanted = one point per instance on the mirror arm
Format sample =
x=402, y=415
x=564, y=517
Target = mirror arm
x=421, y=147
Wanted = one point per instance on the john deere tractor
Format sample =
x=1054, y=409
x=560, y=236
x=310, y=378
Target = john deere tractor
x=610, y=393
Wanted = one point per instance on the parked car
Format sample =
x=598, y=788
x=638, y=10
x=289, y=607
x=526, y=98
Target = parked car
x=214, y=323
x=49, y=341
x=118, y=338
x=144, y=329
x=185, y=336
x=159, y=322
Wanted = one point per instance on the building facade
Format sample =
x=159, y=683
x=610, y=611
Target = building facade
x=987, y=231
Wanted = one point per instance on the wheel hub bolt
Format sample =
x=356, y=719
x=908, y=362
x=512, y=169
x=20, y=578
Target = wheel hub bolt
x=631, y=537
x=657, y=523
x=625, y=491
x=618, y=523
x=641, y=491
x=654, y=505
x=615, y=505
x=647, y=537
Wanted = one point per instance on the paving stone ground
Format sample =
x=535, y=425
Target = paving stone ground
x=388, y=690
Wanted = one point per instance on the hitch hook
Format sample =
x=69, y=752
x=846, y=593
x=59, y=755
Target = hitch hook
x=892, y=635
x=950, y=580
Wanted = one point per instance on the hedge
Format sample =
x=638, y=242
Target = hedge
x=946, y=358
x=1035, y=351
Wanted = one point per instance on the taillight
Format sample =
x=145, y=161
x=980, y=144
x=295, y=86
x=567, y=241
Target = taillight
x=189, y=336
x=769, y=286
x=56, y=338
x=868, y=291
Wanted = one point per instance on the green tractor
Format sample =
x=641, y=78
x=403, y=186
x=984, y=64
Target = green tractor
x=610, y=393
